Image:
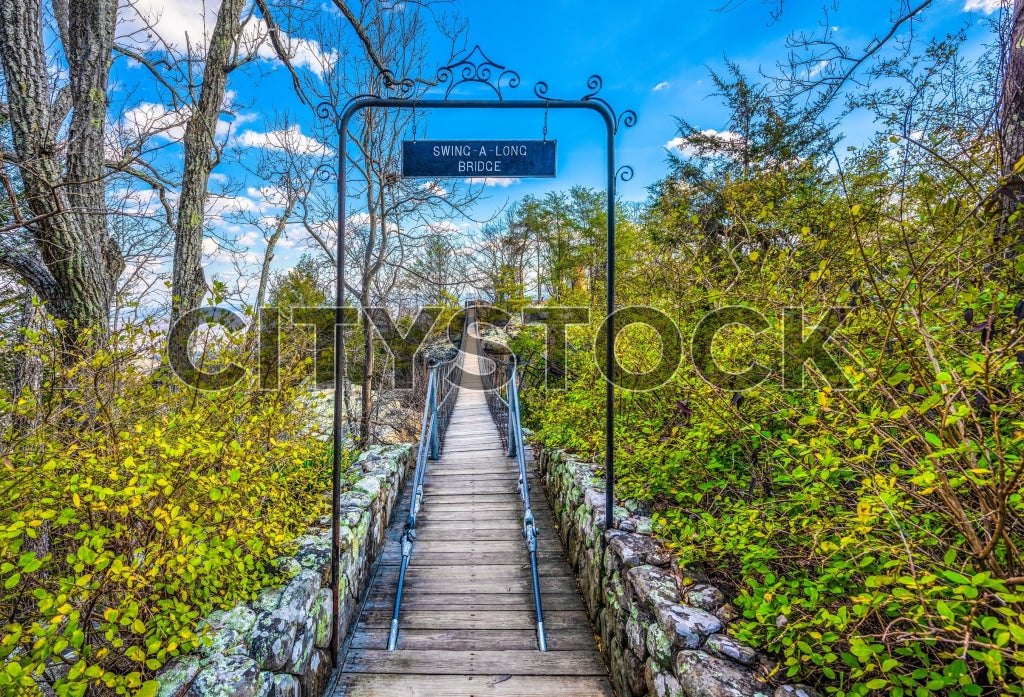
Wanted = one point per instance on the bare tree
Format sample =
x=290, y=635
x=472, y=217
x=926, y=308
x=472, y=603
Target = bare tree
x=395, y=215
x=287, y=169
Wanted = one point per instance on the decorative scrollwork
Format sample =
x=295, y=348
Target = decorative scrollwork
x=404, y=88
x=595, y=84
x=626, y=118
x=624, y=173
x=477, y=68
x=326, y=112
x=325, y=172
x=540, y=91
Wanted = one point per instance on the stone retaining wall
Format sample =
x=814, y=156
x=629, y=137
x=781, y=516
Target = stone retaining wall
x=277, y=645
x=662, y=635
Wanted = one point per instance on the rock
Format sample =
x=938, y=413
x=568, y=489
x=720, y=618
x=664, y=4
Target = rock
x=228, y=676
x=594, y=498
x=321, y=616
x=727, y=613
x=662, y=559
x=634, y=673
x=652, y=586
x=174, y=678
x=369, y=486
x=617, y=666
x=701, y=675
x=266, y=684
x=240, y=618
x=795, y=691
x=272, y=639
x=224, y=641
x=686, y=627
x=644, y=525
x=636, y=635
x=286, y=566
x=316, y=674
x=268, y=600
x=705, y=597
x=658, y=646
x=614, y=594
x=781, y=621
x=314, y=553
x=629, y=525
x=630, y=550
x=300, y=593
x=662, y=683
x=358, y=500
x=725, y=646
x=303, y=647
x=286, y=686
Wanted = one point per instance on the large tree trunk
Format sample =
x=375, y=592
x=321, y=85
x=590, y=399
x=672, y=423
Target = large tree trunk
x=75, y=264
x=188, y=284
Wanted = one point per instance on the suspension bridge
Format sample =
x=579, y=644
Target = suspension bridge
x=472, y=595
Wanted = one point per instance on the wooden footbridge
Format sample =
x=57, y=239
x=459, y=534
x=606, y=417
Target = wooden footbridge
x=468, y=611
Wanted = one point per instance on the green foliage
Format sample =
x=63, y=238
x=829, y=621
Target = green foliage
x=307, y=284
x=869, y=529
x=135, y=506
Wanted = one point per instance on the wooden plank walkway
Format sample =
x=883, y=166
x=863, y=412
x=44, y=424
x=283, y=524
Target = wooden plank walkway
x=467, y=625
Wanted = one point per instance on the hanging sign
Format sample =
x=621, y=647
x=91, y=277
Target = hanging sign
x=478, y=158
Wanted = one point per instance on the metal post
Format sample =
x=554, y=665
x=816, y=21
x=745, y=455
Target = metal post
x=609, y=356
x=339, y=390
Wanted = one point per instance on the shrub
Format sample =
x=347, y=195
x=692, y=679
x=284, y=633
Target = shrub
x=135, y=506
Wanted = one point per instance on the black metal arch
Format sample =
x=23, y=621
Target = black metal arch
x=476, y=69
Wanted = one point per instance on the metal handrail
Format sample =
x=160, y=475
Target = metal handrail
x=507, y=416
x=443, y=376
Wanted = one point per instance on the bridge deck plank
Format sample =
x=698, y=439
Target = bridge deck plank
x=468, y=626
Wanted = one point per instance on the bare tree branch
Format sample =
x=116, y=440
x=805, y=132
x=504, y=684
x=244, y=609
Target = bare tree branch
x=275, y=40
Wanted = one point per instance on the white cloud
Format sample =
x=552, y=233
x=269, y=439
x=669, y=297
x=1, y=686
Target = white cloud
x=353, y=221
x=148, y=119
x=210, y=246
x=249, y=239
x=218, y=207
x=172, y=21
x=986, y=6
x=140, y=202
x=434, y=188
x=503, y=182
x=302, y=53
x=189, y=22
x=817, y=68
x=271, y=196
x=290, y=139
x=660, y=86
x=444, y=227
x=721, y=140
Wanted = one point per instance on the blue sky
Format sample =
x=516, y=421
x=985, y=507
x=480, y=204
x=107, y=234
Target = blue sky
x=654, y=57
